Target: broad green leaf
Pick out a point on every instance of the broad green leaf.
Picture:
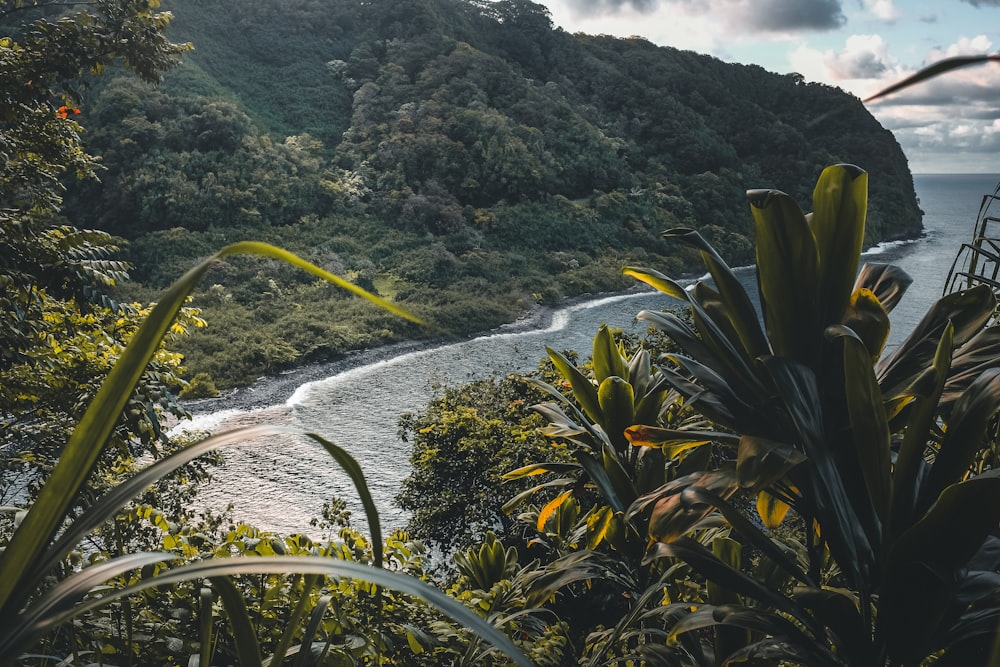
(599, 476)
(598, 525)
(771, 509)
(709, 566)
(941, 541)
(640, 373)
(676, 512)
(840, 203)
(353, 470)
(848, 539)
(735, 301)
(787, 275)
(968, 311)
(964, 437)
(760, 462)
(968, 362)
(583, 389)
(887, 282)
(869, 426)
(617, 401)
(913, 602)
(315, 618)
(866, 317)
(550, 507)
(607, 359)
(654, 436)
(582, 565)
(294, 622)
(654, 278)
(205, 622)
(835, 609)
(519, 499)
(779, 554)
(910, 458)
(539, 469)
(728, 638)
(620, 480)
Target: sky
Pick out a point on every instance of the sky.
(950, 124)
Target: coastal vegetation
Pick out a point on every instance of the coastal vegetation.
(731, 488)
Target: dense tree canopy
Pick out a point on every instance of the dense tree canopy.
(465, 158)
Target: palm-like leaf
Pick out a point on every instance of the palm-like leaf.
(821, 391)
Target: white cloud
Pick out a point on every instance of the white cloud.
(883, 10)
(862, 66)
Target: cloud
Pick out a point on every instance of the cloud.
(605, 7)
(864, 58)
(763, 16)
(795, 15)
(883, 10)
(983, 3)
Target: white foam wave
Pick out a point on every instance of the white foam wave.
(204, 422)
(886, 246)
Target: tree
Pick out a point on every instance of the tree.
(60, 329)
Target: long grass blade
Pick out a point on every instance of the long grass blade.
(353, 470)
(301, 605)
(205, 617)
(244, 636)
(936, 69)
(30, 625)
(302, 659)
(85, 444)
(292, 564)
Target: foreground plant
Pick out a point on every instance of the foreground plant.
(35, 599)
(886, 460)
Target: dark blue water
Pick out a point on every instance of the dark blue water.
(281, 483)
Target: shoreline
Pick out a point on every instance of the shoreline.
(270, 390)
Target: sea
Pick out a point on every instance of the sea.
(280, 482)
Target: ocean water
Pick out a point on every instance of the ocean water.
(280, 483)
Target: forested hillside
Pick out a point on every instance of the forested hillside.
(463, 158)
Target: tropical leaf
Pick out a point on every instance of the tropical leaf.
(968, 311)
(771, 509)
(869, 321)
(738, 308)
(761, 462)
(787, 275)
(607, 359)
(910, 460)
(550, 508)
(869, 425)
(965, 436)
(887, 282)
(840, 204)
(583, 389)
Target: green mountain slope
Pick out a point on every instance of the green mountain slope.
(462, 157)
